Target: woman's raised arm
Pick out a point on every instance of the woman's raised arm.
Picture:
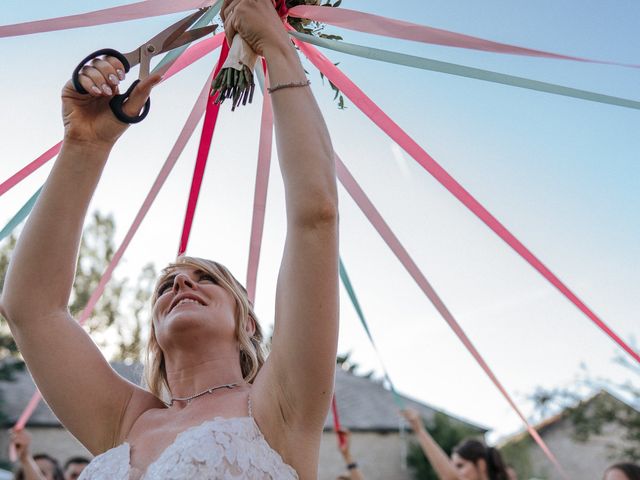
(302, 360)
(74, 378)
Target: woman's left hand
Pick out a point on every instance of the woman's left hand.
(257, 22)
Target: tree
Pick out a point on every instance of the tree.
(108, 325)
(132, 329)
(589, 417)
(447, 433)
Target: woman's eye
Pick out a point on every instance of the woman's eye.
(207, 277)
(164, 287)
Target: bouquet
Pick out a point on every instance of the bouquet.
(235, 79)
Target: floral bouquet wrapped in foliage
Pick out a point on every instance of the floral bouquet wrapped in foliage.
(235, 79)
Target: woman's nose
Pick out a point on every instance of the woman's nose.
(182, 281)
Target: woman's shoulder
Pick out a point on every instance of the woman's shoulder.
(142, 406)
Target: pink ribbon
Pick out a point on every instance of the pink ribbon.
(29, 169)
(389, 27)
(176, 151)
(134, 11)
(401, 253)
(260, 194)
(210, 120)
(192, 54)
(370, 109)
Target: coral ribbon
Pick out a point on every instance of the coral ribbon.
(380, 118)
(401, 253)
(389, 27)
(134, 11)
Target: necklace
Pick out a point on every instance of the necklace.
(204, 392)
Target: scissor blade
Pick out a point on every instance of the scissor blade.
(189, 37)
(170, 34)
(164, 68)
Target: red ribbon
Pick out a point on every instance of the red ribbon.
(281, 8)
(336, 422)
(210, 120)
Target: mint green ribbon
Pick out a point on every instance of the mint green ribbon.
(356, 305)
(462, 71)
(19, 217)
(205, 20)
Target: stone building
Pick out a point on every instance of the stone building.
(366, 408)
(584, 460)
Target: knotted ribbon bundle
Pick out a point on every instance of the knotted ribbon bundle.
(235, 80)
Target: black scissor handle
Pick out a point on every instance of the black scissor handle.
(105, 51)
(117, 101)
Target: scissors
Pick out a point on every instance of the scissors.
(172, 37)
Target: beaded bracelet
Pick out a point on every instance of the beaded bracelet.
(288, 85)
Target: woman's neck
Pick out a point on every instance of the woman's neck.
(189, 375)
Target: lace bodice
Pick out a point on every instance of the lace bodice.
(221, 448)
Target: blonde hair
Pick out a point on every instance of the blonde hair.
(252, 354)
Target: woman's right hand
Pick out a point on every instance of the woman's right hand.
(413, 417)
(88, 118)
(21, 441)
(345, 444)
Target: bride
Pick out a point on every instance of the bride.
(215, 408)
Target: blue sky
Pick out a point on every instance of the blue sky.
(562, 174)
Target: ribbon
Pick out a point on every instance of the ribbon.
(134, 11)
(176, 151)
(336, 422)
(462, 71)
(281, 8)
(210, 120)
(401, 253)
(23, 173)
(20, 216)
(389, 27)
(203, 21)
(356, 305)
(262, 184)
(375, 113)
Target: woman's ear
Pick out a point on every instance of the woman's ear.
(250, 326)
(481, 464)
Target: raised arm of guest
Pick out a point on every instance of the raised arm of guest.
(436, 456)
(345, 449)
(21, 441)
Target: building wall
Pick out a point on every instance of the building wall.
(379, 456)
(586, 461)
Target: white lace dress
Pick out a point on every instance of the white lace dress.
(218, 449)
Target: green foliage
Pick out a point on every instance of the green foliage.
(131, 330)
(108, 325)
(516, 454)
(447, 433)
(10, 361)
(310, 27)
